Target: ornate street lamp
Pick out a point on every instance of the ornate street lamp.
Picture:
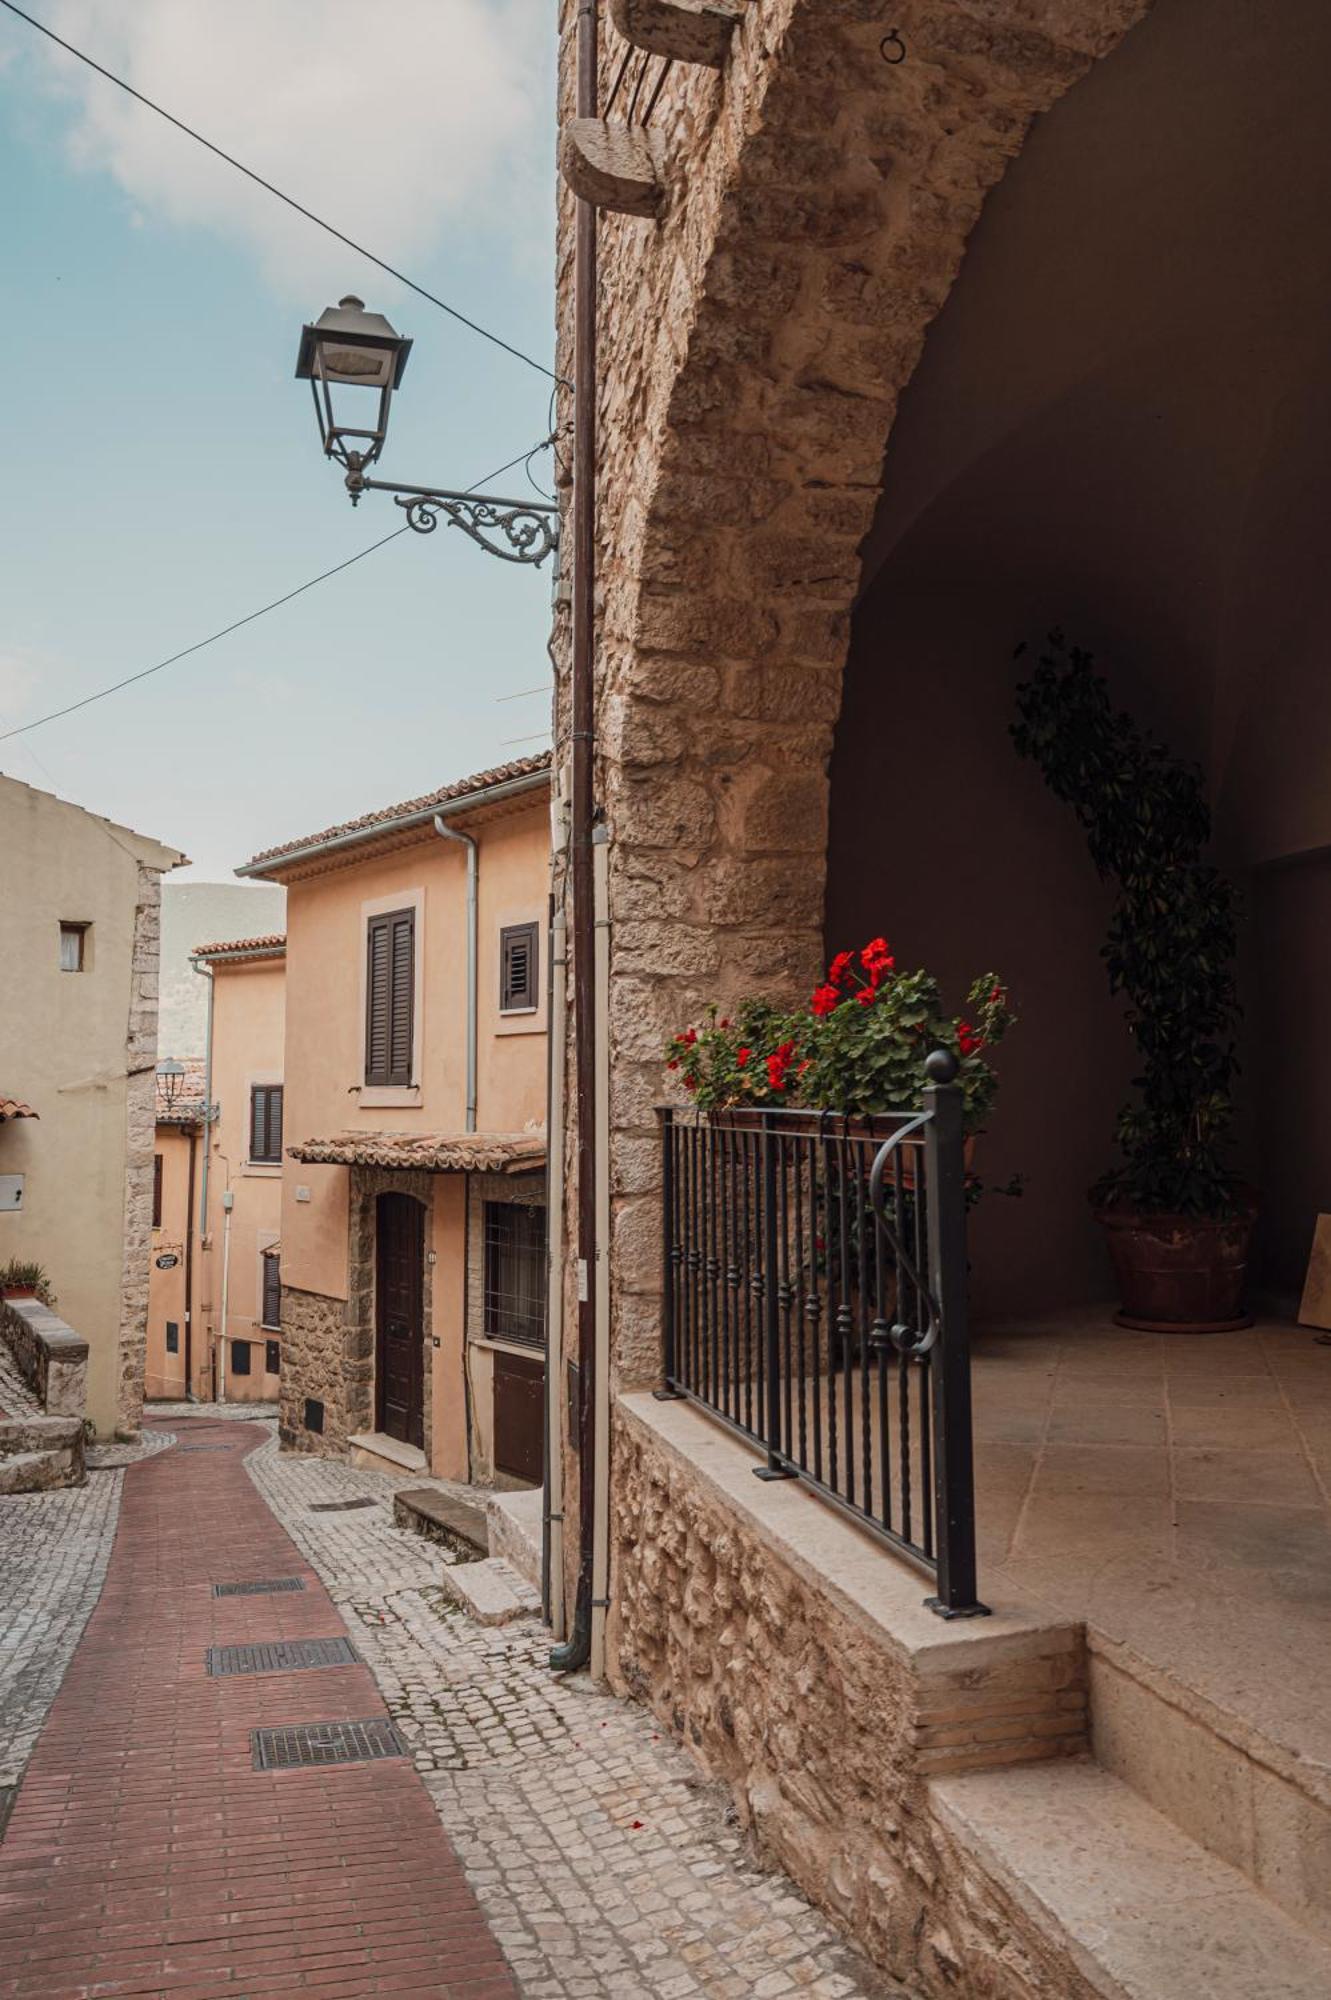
(353, 361)
(170, 1077)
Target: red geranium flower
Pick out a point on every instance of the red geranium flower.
(969, 1040)
(840, 966)
(866, 995)
(742, 1057)
(825, 1000)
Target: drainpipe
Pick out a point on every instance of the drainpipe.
(228, 1203)
(601, 1452)
(576, 1651)
(467, 840)
(189, 1266)
(552, 1553)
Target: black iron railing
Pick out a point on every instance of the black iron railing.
(815, 1301)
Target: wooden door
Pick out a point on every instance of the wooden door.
(519, 1416)
(400, 1318)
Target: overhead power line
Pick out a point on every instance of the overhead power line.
(199, 644)
(144, 673)
(290, 200)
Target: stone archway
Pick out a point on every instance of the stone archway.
(753, 343)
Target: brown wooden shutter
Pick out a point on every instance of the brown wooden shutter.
(266, 1122)
(157, 1190)
(517, 968)
(390, 981)
(272, 1289)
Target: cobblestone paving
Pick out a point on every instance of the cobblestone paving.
(53, 1554)
(608, 1869)
(16, 1398)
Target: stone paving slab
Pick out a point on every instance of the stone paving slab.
(607, 1867)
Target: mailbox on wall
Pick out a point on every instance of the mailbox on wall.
(11, 1193)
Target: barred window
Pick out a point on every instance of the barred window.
(515, 1272)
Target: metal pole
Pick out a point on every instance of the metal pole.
(950, 1362)
(667, 1393)
(577, 1650)
(774, 1469)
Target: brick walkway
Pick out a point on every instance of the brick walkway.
(146, 1856)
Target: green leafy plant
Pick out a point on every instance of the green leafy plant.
(858, 1045)
(1172, 937)
(20, 1276)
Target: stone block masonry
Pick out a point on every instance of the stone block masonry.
(50, 1357)
(315, 1335)
(140, 1140)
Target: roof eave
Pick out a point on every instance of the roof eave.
(294, 857)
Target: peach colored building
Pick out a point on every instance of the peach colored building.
(414, 1264)
(169, 1373)
(239, 1203)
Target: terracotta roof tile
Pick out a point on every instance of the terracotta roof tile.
(434, 1152)
(461, 788)
(235, 947)
(13, 1107)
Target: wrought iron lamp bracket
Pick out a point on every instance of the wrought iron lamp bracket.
(529, 528)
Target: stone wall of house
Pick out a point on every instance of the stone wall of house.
(753, 341)
(140, 1136)
(827, 1734)
(315, 1336)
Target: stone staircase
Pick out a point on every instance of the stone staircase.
(38, 1450)
(494, 1540)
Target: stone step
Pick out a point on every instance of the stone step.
(1246, 1798)
(491, 1592)
(515, 1521)
(443, 1517)
(1120, 1899)
(375, 1451)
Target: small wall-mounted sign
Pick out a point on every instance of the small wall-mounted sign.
(11, 1192)
(167, 1261)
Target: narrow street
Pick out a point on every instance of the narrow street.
(537, 1837)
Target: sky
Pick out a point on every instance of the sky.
(163, 474)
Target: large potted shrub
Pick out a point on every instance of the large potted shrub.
(1178, 1219)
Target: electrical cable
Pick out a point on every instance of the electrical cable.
(290, 200)
(198, 646)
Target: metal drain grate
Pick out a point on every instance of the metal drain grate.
(311, 1743)
(8, 1795)
(281, 1656)
(264, 1586)
(205, 1447)
(342, 1506)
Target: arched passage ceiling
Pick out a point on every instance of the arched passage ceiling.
(1127, 396)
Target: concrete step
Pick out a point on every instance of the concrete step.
(491, 1592)
(378, 1452)
(515, 1521)
(1125, 1902)
(443, 1517)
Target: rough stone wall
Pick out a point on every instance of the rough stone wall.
(314, 1341)
(140, 1137)
(753, 341)
(50, 1356)
(826, 1737)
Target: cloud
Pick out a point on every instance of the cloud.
(395, 120)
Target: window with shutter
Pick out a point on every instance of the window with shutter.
(272, 1289)
(390, 982)
(515, 1272)
(518, 969)
(266, 1124)
(157, 1190)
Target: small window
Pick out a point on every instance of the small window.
(240, 1357)
(157, 1190)
(272, 1357)
(518, 953)
(272, 1289)
(73, 947)
(314, 1416)
(266, 1125)
(390, 997)
(173, 1336)
(515, 1273)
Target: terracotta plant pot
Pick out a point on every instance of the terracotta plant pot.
(1180, 1273)
(17, 1292)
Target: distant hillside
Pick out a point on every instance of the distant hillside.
(195, 913)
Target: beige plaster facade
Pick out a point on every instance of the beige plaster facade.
(172, 1286)
(337, 884)
(80, 1046)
